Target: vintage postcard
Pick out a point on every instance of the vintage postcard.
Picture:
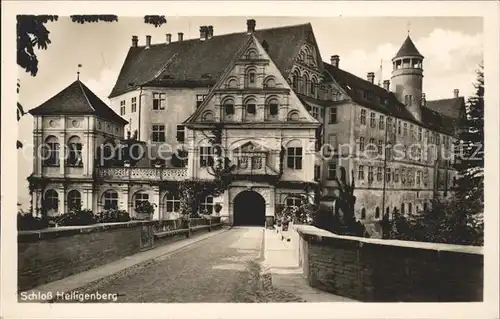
(221, 159)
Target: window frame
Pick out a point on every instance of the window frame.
(294, 157)
(158, 134)
(157, 101)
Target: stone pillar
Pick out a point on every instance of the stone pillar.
(123, 199)
(62, 200)
(270, 205)
(156, 201)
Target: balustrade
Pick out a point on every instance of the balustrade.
(138, 173)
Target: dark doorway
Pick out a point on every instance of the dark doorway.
(249, 209)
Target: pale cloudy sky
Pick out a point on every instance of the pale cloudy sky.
(452, 47)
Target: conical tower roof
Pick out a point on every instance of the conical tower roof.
(408, 49)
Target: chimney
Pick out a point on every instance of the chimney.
(334, 60)
(423, 100)
(180, 36)
(387, 85)
(370, 76)
(135, 40)
(250, 26)
(203, 33)
(455, 92)
(148, 41)
(168, 38)
(210, 32)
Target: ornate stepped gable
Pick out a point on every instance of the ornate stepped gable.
(251, 56)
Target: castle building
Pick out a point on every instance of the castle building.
(287, 119)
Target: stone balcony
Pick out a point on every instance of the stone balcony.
(142, 173)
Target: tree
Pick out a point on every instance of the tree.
(470, 145)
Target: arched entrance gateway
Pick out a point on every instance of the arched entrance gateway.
(249, 209)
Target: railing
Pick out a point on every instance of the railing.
(135, 173)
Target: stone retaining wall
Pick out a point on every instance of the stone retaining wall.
(389, 270)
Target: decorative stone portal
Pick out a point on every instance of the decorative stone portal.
(249, 209)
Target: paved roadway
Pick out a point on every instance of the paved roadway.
(222, 268)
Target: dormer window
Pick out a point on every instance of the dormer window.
(228, 107)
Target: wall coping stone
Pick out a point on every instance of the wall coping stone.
(311, 233)
(63, 231)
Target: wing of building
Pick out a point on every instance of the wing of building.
(287, 120)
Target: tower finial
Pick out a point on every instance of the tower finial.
(78, 72)
(408, 25)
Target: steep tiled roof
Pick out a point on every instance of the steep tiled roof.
(200, 63)
(77, 99)
(439, 115)
(408, 49)
(449, 107)
(381, 100)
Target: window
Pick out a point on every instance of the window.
(381, 122)
(332, 171)
(294, 157)
(367, 95)
(426, 135)
(372, 119)
(207, 206)
(243, 162)
(256, 162)
(273, 107)
(122, 107)
(74, 199)
(377, 212)
(380, 146)
(180, 133)
(399, 127)
(75, 152)
(387, 174)
(408, 100)
(362, 118)
(363, 213)
(379, 173)
(251, 108)
(315, 112)
(158, 133)
(314, 84)
(361, 172)
(361, 144)
(229, 107)
(199, 99)
(405, 129)
(133, 102)
(409, 208)
(370, 173)
(293, 202)
(172, 203)
(110, 200)
(250, 77)
(412, 131)
(403, 175)
(419, 134)
(141, 198)
(159, 101)
(51, 154)
(418, 177)
(396, 175)
(51, 199)
(206, 157)
(402, 208)
(333, 115)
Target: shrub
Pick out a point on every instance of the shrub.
(29, 222)
(145, 208)
(113, 216)
(76, 217)
(217, 208)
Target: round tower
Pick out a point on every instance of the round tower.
(407, 75)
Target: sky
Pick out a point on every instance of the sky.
(452, 47)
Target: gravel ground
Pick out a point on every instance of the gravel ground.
(223, 268)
